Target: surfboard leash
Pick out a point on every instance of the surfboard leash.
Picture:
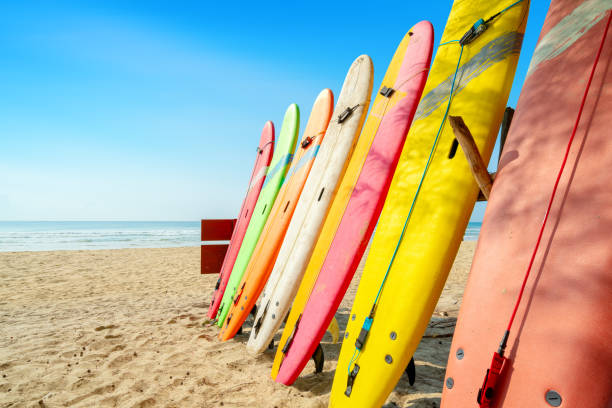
(474, 32)
(486, 394)
(367, 324)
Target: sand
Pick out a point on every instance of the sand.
(127, 328)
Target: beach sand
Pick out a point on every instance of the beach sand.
(127, 328)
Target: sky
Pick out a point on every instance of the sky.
(152, 110)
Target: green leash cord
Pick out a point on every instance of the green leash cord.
(368, 321)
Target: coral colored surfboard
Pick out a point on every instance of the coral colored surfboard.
(264, 155)
(319, 191)
(274, 179)
(357, 205)
(559, 346)
(418, 251)
(264, 255)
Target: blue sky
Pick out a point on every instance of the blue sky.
(152, 110)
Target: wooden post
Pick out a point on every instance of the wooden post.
(481, 196)
(477, 164)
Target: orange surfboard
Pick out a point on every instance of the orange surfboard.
(264, 255)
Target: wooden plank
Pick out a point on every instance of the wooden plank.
(212, 258)
(217, 230)
(481, 197)
(212, 255)
(477, 164)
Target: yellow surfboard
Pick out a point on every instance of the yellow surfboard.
(420, 256)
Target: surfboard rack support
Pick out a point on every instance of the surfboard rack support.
(319, 359)
(212, 253)
(411, 371)
(477, 164)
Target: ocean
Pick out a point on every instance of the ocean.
(70, 235)
(61, 235)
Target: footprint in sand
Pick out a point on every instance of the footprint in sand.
(149, 402)
(205, 337)
(118, 347)
(78, 383)
(110, 326)
(139, 386)
(120, 360)
(98, 391)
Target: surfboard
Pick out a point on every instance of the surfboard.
(558, 348)
(264, 254)
(319, 191)
(418, 234)
(262, 161)
(274, 179)
(357, 205)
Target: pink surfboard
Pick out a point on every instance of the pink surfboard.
(367, 198)
(264, 155)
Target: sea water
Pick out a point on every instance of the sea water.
(69, 235)
(472, 231)
(62, 235)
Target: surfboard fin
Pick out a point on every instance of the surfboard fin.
(239, 295)
(258, 322)
(411, 371)
(453, 149)
(334, 330)
(319, 359)
(290, 339)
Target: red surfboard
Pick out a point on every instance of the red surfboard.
(558, 350)
(392, 114)
(264, 155)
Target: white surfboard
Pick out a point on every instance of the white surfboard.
(317, 195)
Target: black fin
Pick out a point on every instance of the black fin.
(411, 371)
(319, 359)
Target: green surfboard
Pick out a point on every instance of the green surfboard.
(283, 154)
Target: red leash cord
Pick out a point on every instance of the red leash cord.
(487, 392)
(569, 145)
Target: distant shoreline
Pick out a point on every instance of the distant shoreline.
(37, 236)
